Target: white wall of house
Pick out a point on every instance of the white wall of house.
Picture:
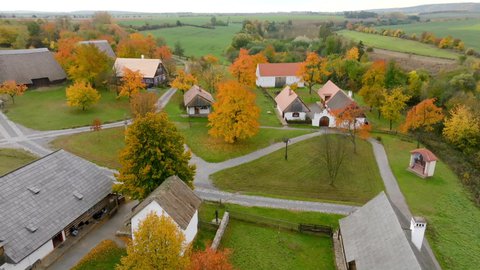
(190, 232)
(294, 79)
(38, 254)
(430, 168)
(265, 81)
(191, 110)
(318, 116)
(290, 116)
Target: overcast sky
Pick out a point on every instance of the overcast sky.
(208, 6)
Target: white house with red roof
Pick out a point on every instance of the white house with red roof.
(278, 74)
(290, 105)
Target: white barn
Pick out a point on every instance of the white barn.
(278, 75)
(290, 105)
(198, 102)
(174, 199)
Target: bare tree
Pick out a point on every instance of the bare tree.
(334, 152)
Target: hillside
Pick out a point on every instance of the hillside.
(434, 8)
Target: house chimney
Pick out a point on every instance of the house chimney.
(290, 92)
(350, 94)
(143, 56)
(418, 226)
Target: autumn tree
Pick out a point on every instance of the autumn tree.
(312, 70)
(163, 53)
(90, 65)
(12, 89)
(82, 94)
(348, 120)
(157, 244)
(137, 45)
(184, 81)
(373, 89)
(333, 155)
(462, 128)
(96, 125)
(352, 54)
(132, 83)
(244, 67)
(143, 103)
(154, 150)
(235, 115)
(394, 103)
(422, 117)
(415, 84)
(210, 259)
(211, 71)
(66, 45)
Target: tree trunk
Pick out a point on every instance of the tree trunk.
(390, 125)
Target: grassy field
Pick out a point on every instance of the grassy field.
(466, 30)
(101, 147)
(105, 256)
(46, 109)
(304, 176)
(378, 123)
(398, 44)
(453, 219)
(11, 159)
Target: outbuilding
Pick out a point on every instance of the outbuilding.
(278, 75)
(197, 101)
(422, 162)
(290, 106)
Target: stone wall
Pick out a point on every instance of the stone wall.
(221, 230)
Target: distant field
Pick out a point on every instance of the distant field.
(466, 30)
(199, 41)
(398, 45)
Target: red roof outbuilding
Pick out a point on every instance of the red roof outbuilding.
(427, 154)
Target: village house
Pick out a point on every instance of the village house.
(152, 70)
(378, 236)
(197, 101)
(278, 75)
(32, 67)
(422, 162)
(174, 199)
(102, 45)
(290, 105)
(46, 202)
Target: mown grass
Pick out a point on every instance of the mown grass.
(46, 109)
(304, 176)
(378, 122)
(105, 256)
(11, 159)
(398, 44)
(452, 217)
(466, 30)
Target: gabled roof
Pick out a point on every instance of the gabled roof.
(427, 154)
(196, 96)
(102, 45)
(328, 89)
(287, 98)
(278, 69)
(24, 65)
(40, 199)
(176, 198)
(339, 101)
(377, 236)
(147, 67)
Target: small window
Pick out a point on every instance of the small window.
(203, 108)
(296, 114)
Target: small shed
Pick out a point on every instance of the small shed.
(422, 162)
(290, 105)
(198, 101)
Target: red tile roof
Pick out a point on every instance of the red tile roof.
(427, 154)
(278, 69)
(285, 98)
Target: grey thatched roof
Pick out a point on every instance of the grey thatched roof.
(40, 197)
(102, 45)
(377, 236)
(24, 65)
(197, 97)
(176, 198)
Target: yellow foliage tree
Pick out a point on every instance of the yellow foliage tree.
(12, 89)
(157, 244)
(235, 114)
(373, 85)
(82, 94)
(184, 81)
(313, 70)
(393, 105)
(352, 54)
(132, 83)
(462, 128)
(90, 64)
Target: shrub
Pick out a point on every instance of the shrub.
(370, 49)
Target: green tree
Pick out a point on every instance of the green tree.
(178, 49)
(393, 105)
(154, 150)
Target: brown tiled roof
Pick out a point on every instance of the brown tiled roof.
(287, 97)
(176, 198)
(147, 67)
(427, 154)
(328, 89)
(278, 69)
(190, 98)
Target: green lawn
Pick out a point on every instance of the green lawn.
(267, 109)
(453, 219)
(303, 93)
(46, 109)
(11, 159)
(398, 44)
(378, 123)
(466, 30)
(304, 176)
(101, 147)
(105, 256)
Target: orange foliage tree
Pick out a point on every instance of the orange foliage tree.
(163, 53)
(210, 259)
(244, 67)
(235, 114)
(132, 83)
(137, 45)
(312, 70)
(184, 81)
(66, 45)
(422, 117)
(347, 120)
(12, 89)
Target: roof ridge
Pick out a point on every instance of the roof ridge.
(31, 162)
